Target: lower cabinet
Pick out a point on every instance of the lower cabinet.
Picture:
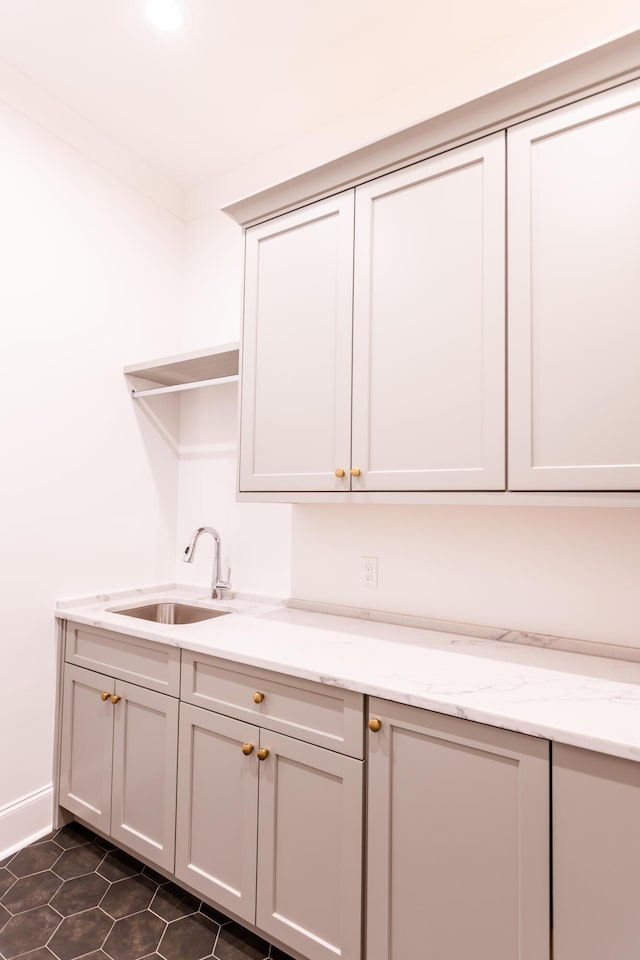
(253, 796)
(596, 855)
(118, 761)
(458, 839)
(271, 828)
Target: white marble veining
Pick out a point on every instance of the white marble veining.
(587, 701)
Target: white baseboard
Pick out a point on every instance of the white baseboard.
(25, 820)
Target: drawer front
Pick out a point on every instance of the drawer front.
(155, 666)
(323, 715)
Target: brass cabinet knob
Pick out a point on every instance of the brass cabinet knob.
(116, 698)
(247, 749)
(258, 697)
(339, 473)
(375, 725)
(263, 753)
(355, 471)
(105, 695)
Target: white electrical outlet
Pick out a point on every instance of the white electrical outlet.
(369, 571)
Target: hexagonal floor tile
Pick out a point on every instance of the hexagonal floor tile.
(191, 938)
(7, 880)
(73, 835)
(78, 861)
(135, 936)
(79, 894)
(153, 875)
(172, 902)
(80, 934)
(29, 892)
(26, 931)
(34, 859)
(234, 942)
(213, 914)
(4, 916)
(118, 865)
(128, 896)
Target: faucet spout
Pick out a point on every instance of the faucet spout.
(217, 583)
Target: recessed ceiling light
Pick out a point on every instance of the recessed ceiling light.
(166, 15)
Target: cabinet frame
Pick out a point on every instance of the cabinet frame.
(108, 808)
(255, 795)
(532, 757)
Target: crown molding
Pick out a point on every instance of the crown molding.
(544, 89)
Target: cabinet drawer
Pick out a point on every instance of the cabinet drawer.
(143, 662)
(327, 716)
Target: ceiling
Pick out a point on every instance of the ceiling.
(240, 79)
(244, 78)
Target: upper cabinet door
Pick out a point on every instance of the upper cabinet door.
(429, 325)
(574, 290)
(296, 365)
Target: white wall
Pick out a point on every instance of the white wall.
(256, 537)
(91, 279)
(567, 572)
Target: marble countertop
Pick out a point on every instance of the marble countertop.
(587, 701)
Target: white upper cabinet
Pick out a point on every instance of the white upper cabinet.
(429, 324)
(574, 291)
(375, 358)
(296, 365)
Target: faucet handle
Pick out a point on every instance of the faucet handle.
(224, 584)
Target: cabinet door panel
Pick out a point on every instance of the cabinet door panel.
(86, 744)
(596, 855)
(296, 362)
(310, 848)
(574, 288)
(217, 809)
(458, 839)
(145, 746)
(429, 324)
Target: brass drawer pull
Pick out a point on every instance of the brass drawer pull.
(339, 473)
(263, 753)
(375, 725)
(355, 471)
(116, 698)
(105, 695)
(258, 697)
(247, 749)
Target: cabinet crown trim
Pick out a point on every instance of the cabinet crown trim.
(606, 65)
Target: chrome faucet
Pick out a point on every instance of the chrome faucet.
(216, 583)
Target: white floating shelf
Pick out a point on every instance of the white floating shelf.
(185, 371)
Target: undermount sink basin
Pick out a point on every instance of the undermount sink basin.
(170, 611)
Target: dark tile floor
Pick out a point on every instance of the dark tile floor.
(73, 894)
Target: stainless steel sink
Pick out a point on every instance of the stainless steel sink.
(169, 611)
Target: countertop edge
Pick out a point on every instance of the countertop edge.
(558, 696)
